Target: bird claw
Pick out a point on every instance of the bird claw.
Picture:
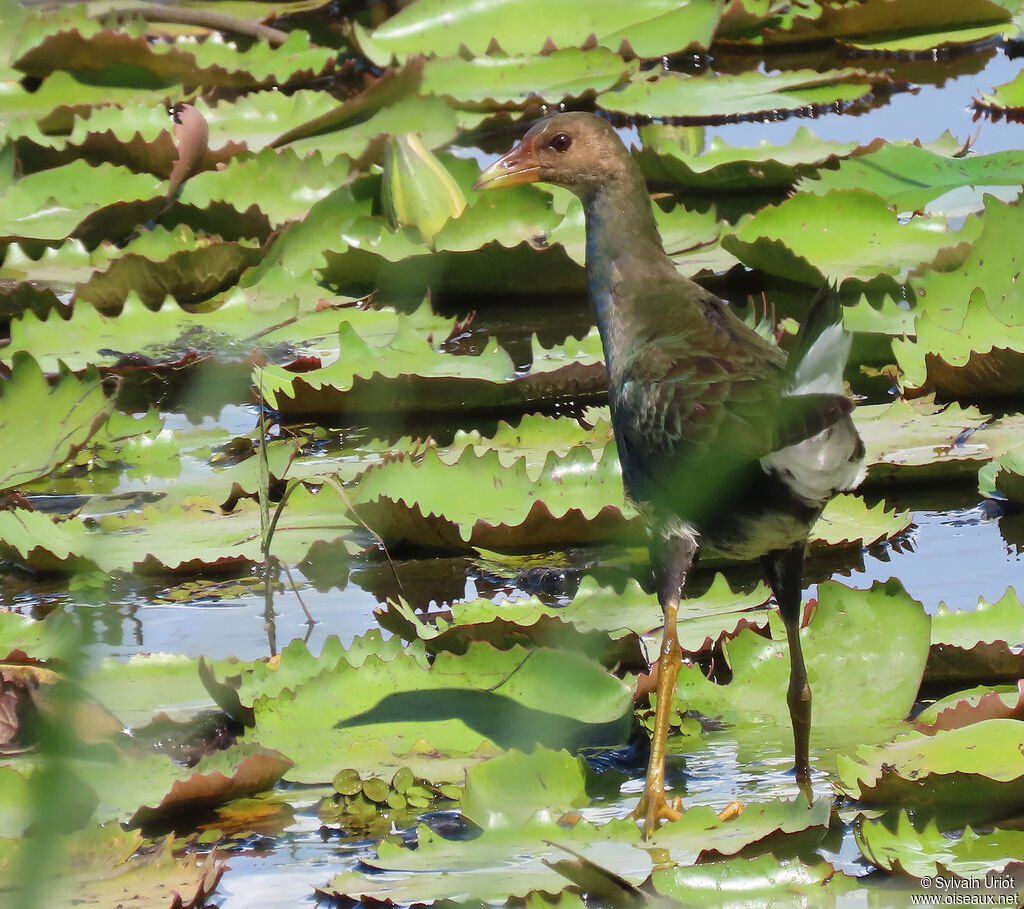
(654, 808)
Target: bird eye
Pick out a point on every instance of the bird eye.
(561, 142)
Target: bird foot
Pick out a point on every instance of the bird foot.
(654, 808)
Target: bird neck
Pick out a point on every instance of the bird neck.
(624, 251)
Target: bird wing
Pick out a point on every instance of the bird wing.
(705, 396)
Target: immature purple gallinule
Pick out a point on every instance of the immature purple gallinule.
(725, 444)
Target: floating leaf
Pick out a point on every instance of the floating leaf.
(497, 79)
(432, 27)
(848, 692)
(926, 853)
(441, 719)
(840, 235)
(45, 425)
(720, 97)
(963, 776)
(908, 176)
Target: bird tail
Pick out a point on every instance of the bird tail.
(821, 349)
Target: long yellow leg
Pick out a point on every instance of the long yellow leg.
(654, 806)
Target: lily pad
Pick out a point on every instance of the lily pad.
(836, 236)
(441, 719)
(964, 776)
(928, 852)
(432, 27)
(844, 676)
(722, 97)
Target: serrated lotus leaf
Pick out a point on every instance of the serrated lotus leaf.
(1003, 99)
(278, 183)
(719, 97)
(53, 204)
(1003, 478)
(530, 440)
(723, 167)
(837, 236)
(967, 707)
(983, 351)
(361, 141)
(847, 520)
(920, 440)
(511, 789)
(850, 697)
(236, 685)
(499, 81)
(967, 326)
(909, 177)
(999, 622)
(894, 17)
(441, 719)
(46, 425)
(929, 852)
(501, 863)
(408, 355)
(963, 776)
(432, 27)
(735, 883)
(87, 48)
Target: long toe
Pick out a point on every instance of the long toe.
(654, 808)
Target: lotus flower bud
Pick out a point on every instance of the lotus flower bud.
(417, 190)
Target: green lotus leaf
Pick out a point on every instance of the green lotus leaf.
(46, 425)
(243, 683)
(480, 868)
(52, 106)
(1004, 477)
(53, 204)
(848, 520)
(943, 42)
(999, 622)
(56, 639)
(908, 176)
(134, 691)
(432, 27)
(501, 80)
(441, 719)
(722, 167)
(966, 707)
(602, 622)
(929, 852)
(544, 781)
(983, 350)
(713, 96)
(963, 776)
(501, 863)
(362, 141)
(736, 883)
(85, 47)
(196, 270)
(894, 18)
(1008, 97)
(255, 120)
(165, 789)
(280, 184)
(845, 660)
(840, 235)
(918, 440)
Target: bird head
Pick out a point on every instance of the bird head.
(577, 150)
